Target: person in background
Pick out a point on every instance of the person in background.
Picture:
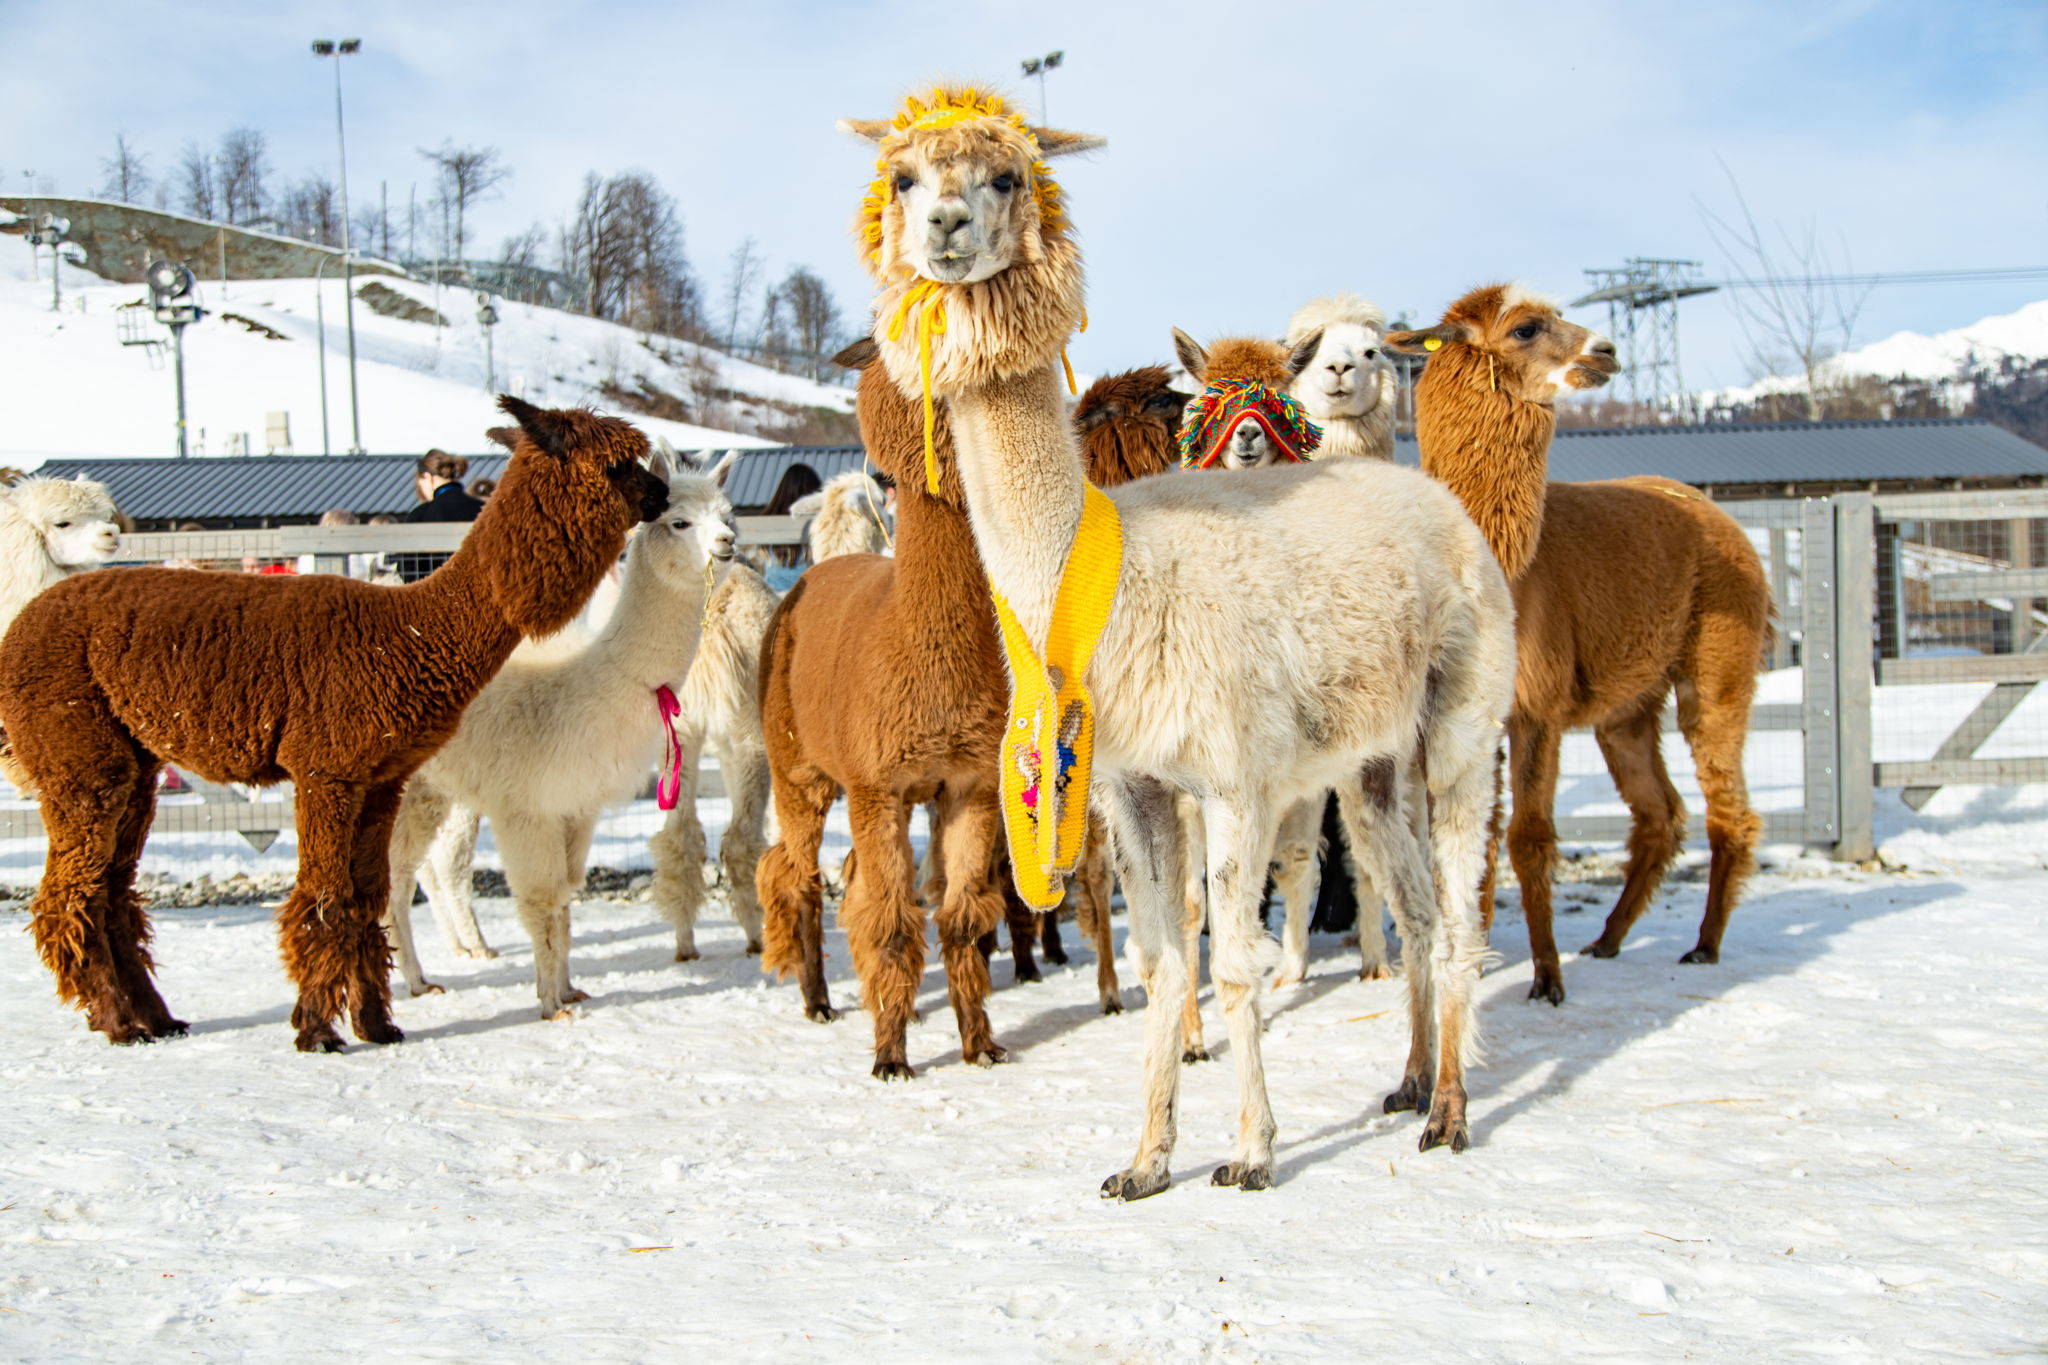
(442, 498)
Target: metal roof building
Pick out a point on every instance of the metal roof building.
(1735, 461)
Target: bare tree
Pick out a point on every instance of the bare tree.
(311, 211)
(813, 319)
(626, 243)
(195, 183)
(743, 271)
(772, 346)
(244, 166)
(1791, 309)
(126, 171)
(467, 175)
(523, 250)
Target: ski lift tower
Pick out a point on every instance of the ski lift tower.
(1642, 321)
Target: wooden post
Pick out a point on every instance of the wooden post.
(1855, 582)
(1781, 594)
(2020, 530)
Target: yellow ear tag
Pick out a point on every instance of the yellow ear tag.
(1432, 343)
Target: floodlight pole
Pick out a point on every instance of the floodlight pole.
(1039, 67)
(178, 360)
(347, 47)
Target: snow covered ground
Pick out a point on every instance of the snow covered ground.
(420, 385)
(1827, 1147)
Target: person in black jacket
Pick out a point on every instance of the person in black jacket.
(441, 498)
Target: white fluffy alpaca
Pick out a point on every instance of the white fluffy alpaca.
(558, 735)
(1348, 388)
(49, 530)
(846, 516)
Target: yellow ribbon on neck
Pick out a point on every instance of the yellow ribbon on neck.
(931, 319)
(1048, 744)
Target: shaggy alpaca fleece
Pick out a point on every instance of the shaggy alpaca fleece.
(343, 687)
(1128, 423)
(846, 517)
(49, 530)
(1355, 408)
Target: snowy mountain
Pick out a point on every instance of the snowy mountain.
(75, 389)
(1913, 355)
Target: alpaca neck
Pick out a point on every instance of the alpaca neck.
(652, 634)
(1489, 447)
(1364, 436)
(1022, 473)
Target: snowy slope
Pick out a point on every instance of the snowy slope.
(74, 390)
(2022, 334)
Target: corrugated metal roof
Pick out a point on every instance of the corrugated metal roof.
(1792, 452)
(301, 487)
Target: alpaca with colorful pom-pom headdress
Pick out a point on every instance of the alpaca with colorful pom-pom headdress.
(1254, 639)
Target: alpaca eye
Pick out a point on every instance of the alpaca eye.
(1003, 184)
(63, 525)
(1527, 331)
(1372, 353)
(905, 184)
(679, 525)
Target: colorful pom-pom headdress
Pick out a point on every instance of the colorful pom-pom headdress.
(1227, 404)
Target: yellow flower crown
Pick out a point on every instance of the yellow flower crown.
(943, 107)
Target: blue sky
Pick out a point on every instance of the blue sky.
(1257, 158)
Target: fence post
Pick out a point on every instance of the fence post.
(1855, 594)
(1817, 673)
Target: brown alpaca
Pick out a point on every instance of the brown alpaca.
(342, 687)
(879, 677)
(1624, 590)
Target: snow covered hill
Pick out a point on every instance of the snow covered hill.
(75, 390)
(1913, 355)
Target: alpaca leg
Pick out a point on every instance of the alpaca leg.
(1049, 938)
(884, 922)
(533, 850)
(577, 832)
(1188, 838)
(1022, 923)
(1240, 847)
(678, 850)
(1369, 929)
(1142, 824)
(1715, 717)
(449, 869)
(1532, 844)
(1635, 760)
(420, 810)
(128, 927)
(1495, 829)
(1383, 840)
(1458, 803)
(370, 870)
(744, 765)
(1297, 869)
(793, 895)
(973, 904)
(317, 923)
(1093, 889)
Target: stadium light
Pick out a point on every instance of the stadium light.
(347, 47)
(170, 291)
(1039, 66)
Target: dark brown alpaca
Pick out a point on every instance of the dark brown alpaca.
(1624, 590)
(342, 687)
(878, 676)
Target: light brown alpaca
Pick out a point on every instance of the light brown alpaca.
(1255, 639)
(345, 688)
(921, 724)
(1624, 590)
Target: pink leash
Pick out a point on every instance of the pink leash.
(668, 787)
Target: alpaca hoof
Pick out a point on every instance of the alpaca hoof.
(690, 956)
(1027, 976)
(1377, 971)
(1444, 1130)
(321, 1039)
(894, 1071)
(1056, 955)
(820, 1014)
(129, 1035)
(753, 947)
(1112, 1005)
(572, 996)
(1707, 956)
(170, 1028)
(477, 952)
(1289, 976)
(1196, 1053)
(1547, 986)
(382, 1035)
(1245, 1175)
(427, 988)
(990, 1056)
(1413, 1094)
(561, 1014)
(1125, 1186)
(1599, 948)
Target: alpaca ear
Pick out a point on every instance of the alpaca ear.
(1192, 357)
(662, 459)
(1053, 142)
(1423, 340)
(543, 426)
(1298, 359)
(859, 355)
(873, 129)
(1095, 414)
(718, 472)
(507, 437)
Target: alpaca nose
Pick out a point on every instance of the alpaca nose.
(950, 215)
(1339, 368)
(1602, 346)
